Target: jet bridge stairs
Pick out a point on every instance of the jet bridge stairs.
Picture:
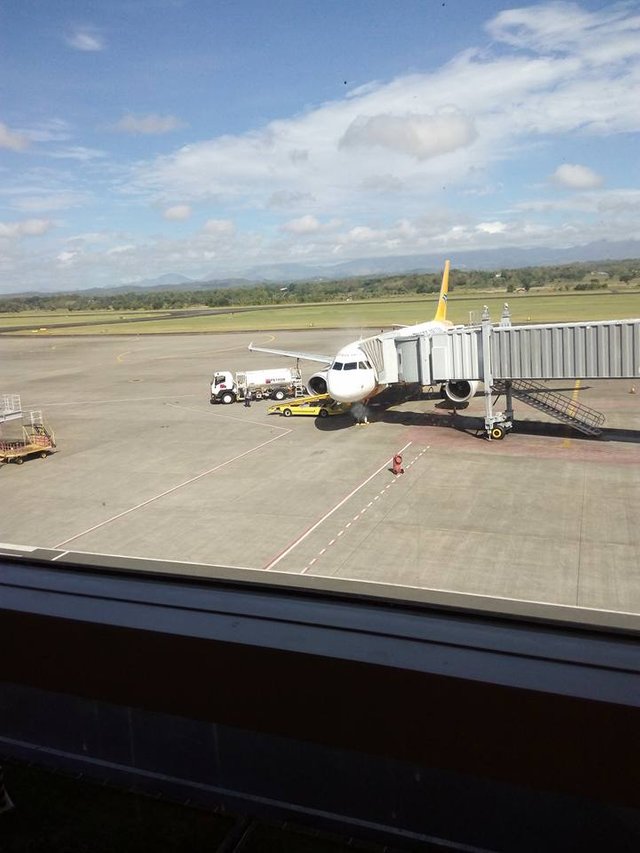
(558, 406)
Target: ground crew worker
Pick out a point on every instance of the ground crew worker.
(247, 399)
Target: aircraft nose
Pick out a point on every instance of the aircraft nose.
(350, 387)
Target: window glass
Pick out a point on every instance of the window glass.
(352, 365)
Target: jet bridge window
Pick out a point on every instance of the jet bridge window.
(351, 365)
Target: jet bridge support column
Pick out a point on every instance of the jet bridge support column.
(496, 424)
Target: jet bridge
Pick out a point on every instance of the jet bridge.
(513, 360)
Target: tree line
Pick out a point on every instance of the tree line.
(582, 276)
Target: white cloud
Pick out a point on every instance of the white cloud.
(177, 212)
(419, 136)
(288, 199)
(66, 258)
(219, 227)
(304, 225)
(54, 201)
(147, 124)
(309, 225)
(413, 135)
(379, 158)
(11, 139)
(77, 152)
(608, 35)
(382, 184)
(575, 177)
(25, 228)
(85, 39)
(602, 202)
(496, 227)
(121, 250)
(51, 130)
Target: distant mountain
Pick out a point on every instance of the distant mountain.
(168, 280)
(510, 258)
(479, 259)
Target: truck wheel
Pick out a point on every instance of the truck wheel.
(323, 413)
(18, 460)
(498, 433)
(279, 395)
(228, 397)
(287, 413)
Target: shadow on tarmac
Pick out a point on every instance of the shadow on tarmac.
(471, 425)
(335, 423)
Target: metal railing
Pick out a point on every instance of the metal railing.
(563, 408)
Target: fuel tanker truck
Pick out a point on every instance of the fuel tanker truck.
(275, 383)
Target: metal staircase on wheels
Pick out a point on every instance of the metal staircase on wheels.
(557, 405)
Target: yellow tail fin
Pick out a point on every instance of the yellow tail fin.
(441, 313)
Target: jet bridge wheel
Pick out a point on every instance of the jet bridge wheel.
(498, 432)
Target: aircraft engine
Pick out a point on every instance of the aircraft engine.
(317, 384)
(460, 391)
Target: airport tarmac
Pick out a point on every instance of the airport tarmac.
(146, 467)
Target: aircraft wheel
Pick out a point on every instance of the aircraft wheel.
(498, 433)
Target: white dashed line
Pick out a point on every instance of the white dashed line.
(359, 515)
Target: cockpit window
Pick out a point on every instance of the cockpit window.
(362, 365)
(352, 365)
(337, 365)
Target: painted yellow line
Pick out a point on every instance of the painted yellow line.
(120, 357)
(572, 409)
(269, 340)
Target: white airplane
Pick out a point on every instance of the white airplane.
(351, 377)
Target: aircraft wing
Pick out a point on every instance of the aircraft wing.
(308, 356)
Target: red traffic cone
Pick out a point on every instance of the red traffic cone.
(397, 464)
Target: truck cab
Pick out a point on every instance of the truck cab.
(223, 387)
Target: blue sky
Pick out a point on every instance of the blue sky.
(145, 137)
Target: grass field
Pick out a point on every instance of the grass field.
(38, 319)
(525, 308)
